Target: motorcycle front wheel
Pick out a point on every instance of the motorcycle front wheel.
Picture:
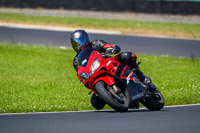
(108, 98)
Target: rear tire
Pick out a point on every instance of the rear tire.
(154, 101)
(108, 98)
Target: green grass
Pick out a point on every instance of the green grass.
(125, 26)
(40, 79)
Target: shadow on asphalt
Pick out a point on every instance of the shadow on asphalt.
(129, 111)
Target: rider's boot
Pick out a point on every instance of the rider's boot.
(97, 102)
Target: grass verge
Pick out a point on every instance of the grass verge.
(40, 79)
(180, 30)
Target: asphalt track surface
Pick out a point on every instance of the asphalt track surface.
(168, 120)
(144, 45)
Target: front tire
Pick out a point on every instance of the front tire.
(108, 98)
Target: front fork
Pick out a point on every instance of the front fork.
(112, 87)
(116, 92)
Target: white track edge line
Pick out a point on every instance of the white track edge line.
(86, 111)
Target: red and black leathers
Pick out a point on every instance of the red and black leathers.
(125, 58)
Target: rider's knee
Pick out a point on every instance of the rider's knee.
(127, 56)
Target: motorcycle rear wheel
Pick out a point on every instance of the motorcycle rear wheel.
(154, 101)
(108, 98)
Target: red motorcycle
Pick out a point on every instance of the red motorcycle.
(117, 85)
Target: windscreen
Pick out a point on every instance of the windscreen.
(84, 56)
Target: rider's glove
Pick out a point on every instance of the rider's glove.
(113, 50)
(104, 55)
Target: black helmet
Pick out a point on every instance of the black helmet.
(79, 40)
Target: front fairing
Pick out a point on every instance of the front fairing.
(86, 57)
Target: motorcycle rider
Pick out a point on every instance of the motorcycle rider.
(80, 40)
